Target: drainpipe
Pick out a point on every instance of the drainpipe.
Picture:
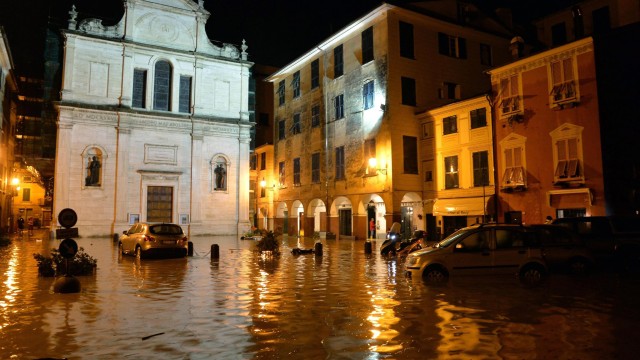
(326, 139)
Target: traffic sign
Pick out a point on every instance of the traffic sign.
(68, 248)
(67, 217)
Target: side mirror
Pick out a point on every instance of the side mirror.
(125, 232)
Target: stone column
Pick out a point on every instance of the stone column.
(121, 186)
(243, 178)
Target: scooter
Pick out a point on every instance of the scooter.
(393, 237)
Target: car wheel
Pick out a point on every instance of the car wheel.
(578, 266)
(532, 274)
(435, 275)
(138, 252)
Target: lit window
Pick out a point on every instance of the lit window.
(451, 172)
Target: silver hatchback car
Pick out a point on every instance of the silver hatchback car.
(150, 239)
(485, 249)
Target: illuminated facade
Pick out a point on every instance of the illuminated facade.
(548, 142)
(153, 123)
(8, 103)
(457, 165)
(346, 139)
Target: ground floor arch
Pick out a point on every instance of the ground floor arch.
(411, 214)
(374, 210)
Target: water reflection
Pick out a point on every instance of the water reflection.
(343, 304)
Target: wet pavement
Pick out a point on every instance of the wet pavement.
(345, 304)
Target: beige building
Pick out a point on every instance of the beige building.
(346, 141)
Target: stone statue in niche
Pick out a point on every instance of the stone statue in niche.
(93, 172)
(221, 177)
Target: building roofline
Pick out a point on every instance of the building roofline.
(541, 55)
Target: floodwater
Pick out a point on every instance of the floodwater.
(345, 304)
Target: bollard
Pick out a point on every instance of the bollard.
(318, 249)
(189, 248)
(66, 285)
(116, 237)
(367, 247)
(215, 251)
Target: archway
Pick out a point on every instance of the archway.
(298, 213)
(412, 217)
(318, 210)
(341, 213)
(282, 219)
(373, 207)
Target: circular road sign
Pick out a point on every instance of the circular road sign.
(68, 248)
(67, 217)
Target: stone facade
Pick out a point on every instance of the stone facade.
(150, 109)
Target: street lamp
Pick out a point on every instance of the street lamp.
(373, 164)
(15, 183)
(263, 183)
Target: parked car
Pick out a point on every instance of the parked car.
(563, 249)
(154, 239)
(482, 249)
(613, 241)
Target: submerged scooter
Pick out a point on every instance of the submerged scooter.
(393, 238)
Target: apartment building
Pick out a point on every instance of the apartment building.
(347, 141)
(457, 165)
(548, 137)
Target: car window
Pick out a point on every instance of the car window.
(165, 229)
(476, 241)
(508, 238)
(135, 229)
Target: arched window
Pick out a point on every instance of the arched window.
(219, 167)
(162, 86)
(93, 160)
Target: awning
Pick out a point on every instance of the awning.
(472, 206)
(581, 196)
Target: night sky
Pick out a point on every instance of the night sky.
(276, 31)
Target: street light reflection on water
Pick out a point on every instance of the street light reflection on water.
(345, 304)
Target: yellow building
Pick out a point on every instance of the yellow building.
(458, 165)
(29, 197)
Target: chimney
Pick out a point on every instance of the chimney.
(517, 47)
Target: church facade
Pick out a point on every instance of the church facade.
(153, 123)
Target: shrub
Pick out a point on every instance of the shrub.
(268, 242)
(56, 265)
